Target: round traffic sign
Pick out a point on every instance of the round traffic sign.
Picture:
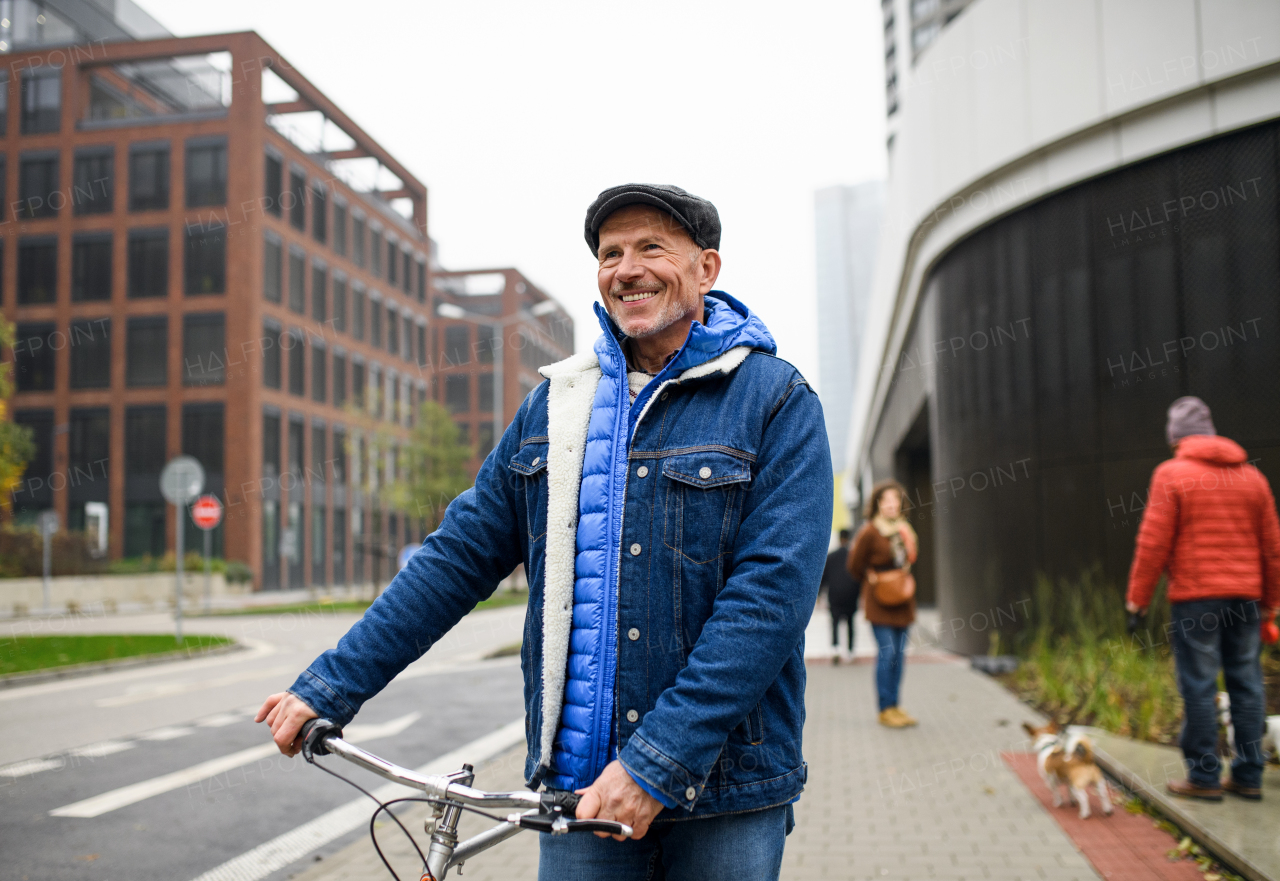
(181, 480)
(207, 512)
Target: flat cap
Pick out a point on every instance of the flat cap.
(698, 216)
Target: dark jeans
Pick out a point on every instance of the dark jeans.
(1209, 635)
(891, 643)
(837, 616)
(728, 847)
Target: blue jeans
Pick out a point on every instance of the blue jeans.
(892, 657)
(729, 847)
(1209, 635)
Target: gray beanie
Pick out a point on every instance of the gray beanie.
(1187, 416)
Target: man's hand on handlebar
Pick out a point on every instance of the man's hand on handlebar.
(286, 713)
(615, 796)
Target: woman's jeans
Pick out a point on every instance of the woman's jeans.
(730, 847)
(892, 657)
(1209, 635)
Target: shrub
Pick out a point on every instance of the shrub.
(22, 553)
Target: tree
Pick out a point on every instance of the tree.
(17, 446)
(432, 468)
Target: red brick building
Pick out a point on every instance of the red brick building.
(186, 278)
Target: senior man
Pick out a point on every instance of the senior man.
(670, 496)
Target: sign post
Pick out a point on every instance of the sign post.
(207, 513)
(48, 526)
(180, 482)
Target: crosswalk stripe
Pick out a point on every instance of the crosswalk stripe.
(295, 844)
(136, 792)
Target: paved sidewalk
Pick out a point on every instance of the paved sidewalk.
(931, 802)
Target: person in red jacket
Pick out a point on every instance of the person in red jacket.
(1211, 522)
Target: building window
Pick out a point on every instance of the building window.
(271, 500)
(297, 280)
(340, 229)
(206, 261)
(422, 282)
(90, 344)
(41, 100)
(203, 433)
(204, 352)
(34, 493)
(406, 277)
(88, 452)
(484, 439)
(148, 262)
(339, 542)
(375, 252)
(339, 380)
(297, 199)
(37, 270)
(318, 533)
(272, 268)
(147, 351)
(357, 240)
(457, 344)
(393, 260)
(464, 433)
(319, 214)
(145, 454)
(291, 342)
(406, 348)
(422, 345)
(319, 293)
(484, 392)
(34, 356)
(91, 267)
(358, 384)
(273, 184)
(206, 172)
(339, 303)
(379, 393)
(149, 177)
(319, 385)
(295, 441)
(357, 313)
(457, 392)
(38, 194)
(94, 183)
(4, 102)
(271, 342)
(375, 323)
(485, 342)
(393, 331)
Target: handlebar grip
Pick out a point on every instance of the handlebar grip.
(563, 799)
(314, 734)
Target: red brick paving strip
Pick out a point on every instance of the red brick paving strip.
(1123, 846)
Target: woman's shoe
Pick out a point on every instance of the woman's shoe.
(890, 718)
(907, 718)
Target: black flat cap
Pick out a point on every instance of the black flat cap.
(698, 216)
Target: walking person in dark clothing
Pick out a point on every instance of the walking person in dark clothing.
(842, 591)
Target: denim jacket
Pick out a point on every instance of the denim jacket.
(728, 499)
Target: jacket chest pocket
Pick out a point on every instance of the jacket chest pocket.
(529, 476)
(703, 499)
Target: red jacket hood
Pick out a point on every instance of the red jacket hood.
(1211, 448)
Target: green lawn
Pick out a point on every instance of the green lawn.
(504, 598)
(23, 654)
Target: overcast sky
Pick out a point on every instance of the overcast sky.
(517, 114)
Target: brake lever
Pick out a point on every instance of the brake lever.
(558, 824)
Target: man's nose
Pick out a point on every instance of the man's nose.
(629, 268)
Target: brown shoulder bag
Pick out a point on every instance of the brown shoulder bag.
(892, 587)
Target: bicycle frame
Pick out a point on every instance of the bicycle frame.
(544, 812)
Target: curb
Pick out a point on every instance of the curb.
(1170, 808)
(75, 671)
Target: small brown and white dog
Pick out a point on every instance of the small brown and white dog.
(1067, 760)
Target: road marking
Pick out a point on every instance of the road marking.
(221, 720)
(138, 694)
(136, 792)
(170, 733)
(30, 766)
(105, 748)
(297, 843)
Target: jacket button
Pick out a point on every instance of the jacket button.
(635, 550)
(633, 634)
(536, 460)
(632, 715)
(663, 396)
(642, 471)
(691, 793)
(704, 472)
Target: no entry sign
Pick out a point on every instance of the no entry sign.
(207, 512)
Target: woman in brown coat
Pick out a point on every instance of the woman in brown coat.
(886, 542)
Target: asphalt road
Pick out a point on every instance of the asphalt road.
(82, 748)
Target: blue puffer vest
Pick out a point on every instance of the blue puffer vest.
(587, 740)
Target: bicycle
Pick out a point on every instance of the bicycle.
(449, 795)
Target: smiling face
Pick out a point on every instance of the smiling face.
(652, 276)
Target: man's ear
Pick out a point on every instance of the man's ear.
(709, 266)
